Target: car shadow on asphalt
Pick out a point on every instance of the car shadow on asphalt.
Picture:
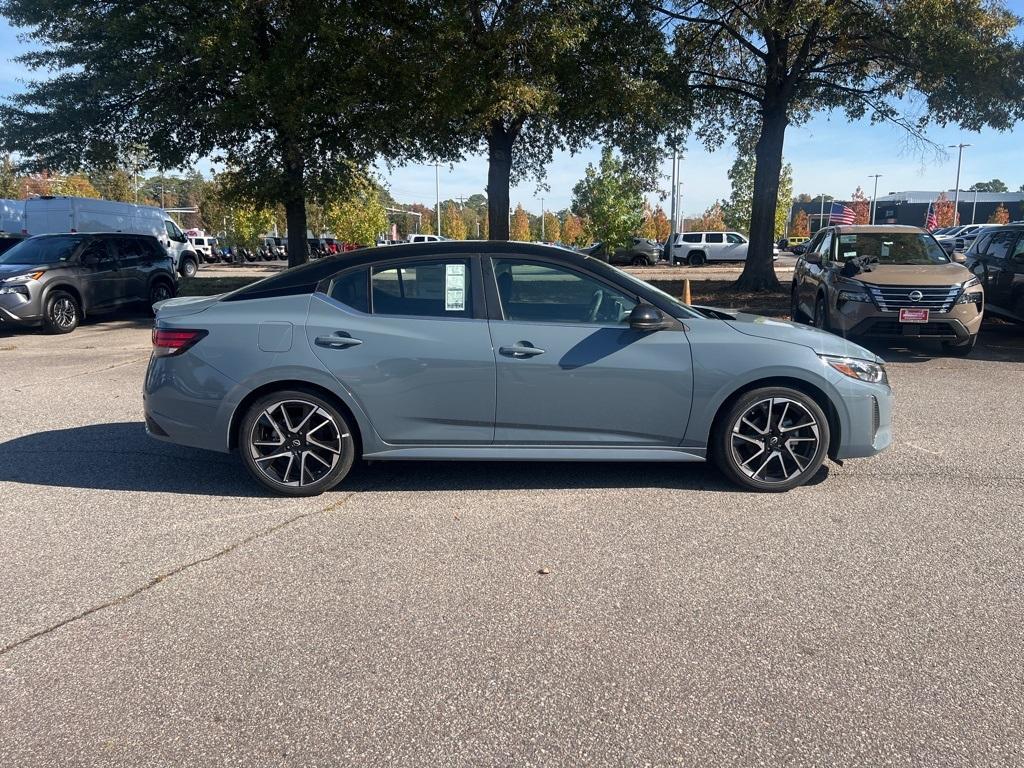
(131, 317)
(121, 457)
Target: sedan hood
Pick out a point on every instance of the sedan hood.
(938, 275)
(184, 305)
(783, 330)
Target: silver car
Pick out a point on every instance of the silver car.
(508, 351)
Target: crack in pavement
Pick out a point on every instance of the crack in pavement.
(159, 579)
(111, 367)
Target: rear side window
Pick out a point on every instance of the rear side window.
(981, 245)
(715, 237)
(352, 290)
(428, 289)
(691, 237)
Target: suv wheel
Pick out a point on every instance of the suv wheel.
(771, 439)
(189, 266)
(641, 261)
(62, 313)
(296, 443)
(161, 290)
(960, 348)
(821, 314)
(696, 259)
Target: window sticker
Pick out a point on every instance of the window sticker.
(455, 287)
(846, 239)
(886, 246)
(849, 254)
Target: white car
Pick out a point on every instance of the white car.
(204, 246)
(424, 238)
(697, 248)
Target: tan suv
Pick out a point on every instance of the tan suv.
(886, 281)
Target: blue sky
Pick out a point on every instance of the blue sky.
(829, 155)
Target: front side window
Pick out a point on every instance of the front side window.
(544, 293)
(980, 246)
(735, 239)
(825, 247)
(173, 232)
(715, 237)
(429, 289)
(999, 245)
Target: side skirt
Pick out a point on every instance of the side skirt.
(536, 453)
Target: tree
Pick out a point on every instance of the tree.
(803, 197)
(248, 222)
(989, 186)
(9, 185)
(662, 226)
(470, 220)
(784, 206)
(1000, 216)
(573, 232)
(861, 207)
(759, 67)
(610, 199)
(520, 229)
(943, 209)
(552, 227)
(535, 76)
(452, 224)
(801, 225)
(358, 216)
(275, 106)
(713, 219)
(113, 183)
(737, 209)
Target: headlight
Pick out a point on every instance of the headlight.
(974, 297)
(22, 279)
(858, 369)
(971, 283)
(9, 289)
(854, 296)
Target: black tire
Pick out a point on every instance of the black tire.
(960, 348)
(737, 454)
(820, 314)
(249, 255)
(794, 306)
(641, 261)
(62, 312)
(268, 255)
(285, 415)
(189, 266)
(696, 259)
(160, 290)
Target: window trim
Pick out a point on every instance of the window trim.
(498, 311)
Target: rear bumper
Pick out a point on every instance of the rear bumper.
(182, 400)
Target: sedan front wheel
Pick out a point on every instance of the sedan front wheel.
(772, 439)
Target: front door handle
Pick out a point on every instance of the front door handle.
(337, 342)
(521, 349)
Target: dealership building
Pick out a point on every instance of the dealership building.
(912, 207)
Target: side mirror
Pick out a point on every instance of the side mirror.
(958, 257)
(646, 318)
(811, 258)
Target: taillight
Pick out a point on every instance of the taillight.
(174, 341)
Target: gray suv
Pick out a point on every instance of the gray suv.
(56, 280)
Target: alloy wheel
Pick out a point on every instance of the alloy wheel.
(296, 443)
(64, 312)
(775, 440)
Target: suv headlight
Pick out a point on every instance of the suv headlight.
(20, 283)
(968, 296)
(858, 369)
(9, 289)
(854, 296)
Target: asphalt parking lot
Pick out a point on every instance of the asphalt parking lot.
(157, 609)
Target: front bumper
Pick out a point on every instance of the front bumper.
(850, 318)
(867, 429)
(17, 310)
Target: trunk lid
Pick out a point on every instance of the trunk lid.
(184, 306)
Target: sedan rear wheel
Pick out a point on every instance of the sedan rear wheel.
(772, 439)
(296, 443)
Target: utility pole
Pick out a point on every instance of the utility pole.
(874, 196)
(974, 208)
(956, 194)
(542, 232)
(821, 214)
(437, 195)
(675, 156)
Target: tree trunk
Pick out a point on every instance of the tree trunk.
(295, 208)
(499, 172)
(759, 269)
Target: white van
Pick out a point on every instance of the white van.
(424, 238)
(54, 215)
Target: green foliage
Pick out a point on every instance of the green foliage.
(785, 200)
(113, 183)
(611, 200)
(996, 185)
(520, 228)
(358, 215)
(248, 221)
(552, 227)
(736, 211)
(452, 224)
(10, 189)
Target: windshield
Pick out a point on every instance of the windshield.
(892, 247)
(42, 250)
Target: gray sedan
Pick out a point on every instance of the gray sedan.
(507, 351)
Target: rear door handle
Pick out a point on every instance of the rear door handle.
(337, 342)
(521, 349)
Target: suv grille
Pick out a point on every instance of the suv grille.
(894, 298)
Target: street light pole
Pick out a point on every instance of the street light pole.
(956, 194)
(874, 196)
(437, 195)
(974, 208)
(675, 156)
(542, 232)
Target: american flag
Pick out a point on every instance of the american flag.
(932, 222)
(841, 214)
